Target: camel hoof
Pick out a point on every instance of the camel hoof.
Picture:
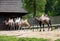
(40, 30)
(43, 30)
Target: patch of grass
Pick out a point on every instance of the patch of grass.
(12, 38)
(8, 38)
(32, 39)
(57, 40)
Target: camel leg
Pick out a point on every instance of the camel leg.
(15, 27)
(28, 25)
(37, 26)
(43, 28)
(48, 27)
(7, 27)
(10, 27)
(40, 26)
(51, 26)
(19, 27)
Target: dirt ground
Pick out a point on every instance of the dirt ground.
(52, 35)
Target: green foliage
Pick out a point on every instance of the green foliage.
(28, 5)
(57, 8)
(28, 16)
(40, 5)
(50, 7)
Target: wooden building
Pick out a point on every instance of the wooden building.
(11, 8)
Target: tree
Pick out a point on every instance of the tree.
(49, 6)
(57, 8)
(29, 6)
(52, 7)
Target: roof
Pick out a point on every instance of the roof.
(11, 6)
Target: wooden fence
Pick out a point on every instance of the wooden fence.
(33, 22)
(55, 21)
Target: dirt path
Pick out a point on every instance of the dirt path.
(52, 35)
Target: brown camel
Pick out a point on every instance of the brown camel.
(44, 19)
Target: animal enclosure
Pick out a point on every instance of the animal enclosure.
(55, 22)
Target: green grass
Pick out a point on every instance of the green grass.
(57, 40)
(12, 38)
(32, 39)
(8, 38)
